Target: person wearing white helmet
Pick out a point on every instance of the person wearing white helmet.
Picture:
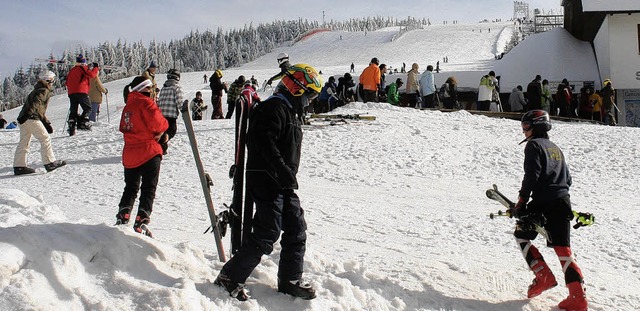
(33, 122)
(283, 63)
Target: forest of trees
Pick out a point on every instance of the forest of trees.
(197, 51)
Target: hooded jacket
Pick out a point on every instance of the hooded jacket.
(37, 102)
(141, 123)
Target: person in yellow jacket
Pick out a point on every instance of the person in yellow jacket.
(96, 89)
(596, 104)
(370, 81)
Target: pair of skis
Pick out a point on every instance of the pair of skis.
(239, 215)
(343, 116)
(582, 219)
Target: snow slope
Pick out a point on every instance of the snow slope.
(395, 207)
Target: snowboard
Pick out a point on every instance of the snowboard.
(242, 215)
(343, 116)
(205, 180)
(496, 195)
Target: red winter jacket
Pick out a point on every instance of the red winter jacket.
(141, 123)
(78, 79)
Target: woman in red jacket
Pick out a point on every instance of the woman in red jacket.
(143, 127)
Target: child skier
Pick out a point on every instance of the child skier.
(547, 181)
(198, 106)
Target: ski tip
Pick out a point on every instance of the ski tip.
(489, 193)
(495, 187)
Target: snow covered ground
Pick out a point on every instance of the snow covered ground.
(395, 207)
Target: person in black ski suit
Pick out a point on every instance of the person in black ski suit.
(546, 180)
(274, 141)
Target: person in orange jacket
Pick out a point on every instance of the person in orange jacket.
(143, 127)
(370, 81)
(78, 90)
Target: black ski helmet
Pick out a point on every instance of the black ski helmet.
(537, 120)
(173, 74)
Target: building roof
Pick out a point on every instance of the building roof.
(554, 55)
(611, 6)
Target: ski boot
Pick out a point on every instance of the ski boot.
(236, 290)
(297, 288)
(544, 279)
(22, 170)
(84, 124)
(577, 299)
(72, 127)
(54, 165)
(123, 216)
(140, 226)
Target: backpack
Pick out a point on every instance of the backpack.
(444, 91)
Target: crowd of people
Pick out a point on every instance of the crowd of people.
(148, 123)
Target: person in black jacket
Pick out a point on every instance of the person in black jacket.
(217, 86)
(534, 94)
(274, 141)
(547, 181)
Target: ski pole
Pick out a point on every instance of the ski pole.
(64, 127)
(106, 97)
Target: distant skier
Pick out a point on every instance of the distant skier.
(150, 74)
(564, 97)
(392, 95)
(198, 106)
(143, 126)
(370, 81)
(170, 102)
(534, 94)
(546, 180)
(96, 89)
(78, 91)
(609, 103)
(486, 91)
(428, 88)
(274, 142)
(353, 68)
(217, 87)
(34, 122)
(232, 96)
(413, 87)
(283, 63)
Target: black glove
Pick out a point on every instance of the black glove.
(520, 209)
(285, 176)
(269, 82)
(95, 65)
(47, 125)
(106, 91)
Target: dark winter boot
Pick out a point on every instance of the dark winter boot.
(297, 288)
(72, 127)
(84, 124)
(140, 226)
(544, 279)
(54, 165)
(577, 299)
(236, 290)
(123, 216)
(23, 170)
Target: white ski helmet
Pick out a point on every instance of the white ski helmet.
(282, 57)
(47, 75)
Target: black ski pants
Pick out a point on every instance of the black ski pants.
(276, 212)
(82, 100)
(148, 173)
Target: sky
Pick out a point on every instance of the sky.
(32, 29)
(396, 210)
